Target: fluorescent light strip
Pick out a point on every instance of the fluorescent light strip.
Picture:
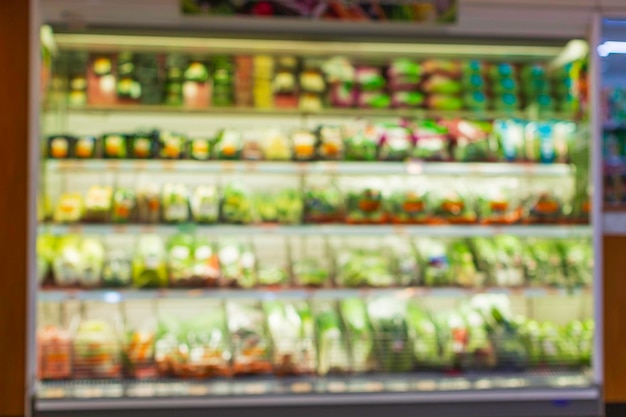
(220, 45)
(611, 47)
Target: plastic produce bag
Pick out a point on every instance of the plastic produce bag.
(68, 264)
(454, 207)
(148, 204)
(54, 353)
(92, 253)
(354, 315)
(251, 345)
(97, 350)
(117, 270)
(284, 206)
(124, 204)
(237, 205)
(205, 204)
(175, 203)
(462, 265)
(426, 349)
(331, 343)
(238, 265)
(323, 204)
(180, 260)
(434, 263)
(149, 263)
(410, 207)
(360, 267)
(98, 204)
(172, 145)
(292, 331)
(366, 206)
(69, 208)
(496, 206)
(393, 346)
(229, 145)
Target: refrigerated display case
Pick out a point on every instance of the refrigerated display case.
(277, 224)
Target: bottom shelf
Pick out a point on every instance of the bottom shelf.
(570, 394)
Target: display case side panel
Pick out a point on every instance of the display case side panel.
(14, 124)
(614, 313)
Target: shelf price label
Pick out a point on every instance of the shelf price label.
(112, 165)
(168, 165)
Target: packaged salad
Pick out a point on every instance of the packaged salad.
(366, 206)
(92, 253)
(114, 146)
(54, 353)
(393, 348)
(200, 149)
(96, 350)
(238, 265)
(251, 345)
(396, 144)
(361, 267)
(283, 207)
(117, 270)
(410, 207)
(433, 260)
(175, 203)
(237, 205)
(229, 145)
(143, 145)
(149, 263)
(453, 207)
(462, 265)
(180, 261)
(172, 145)
(361, 142)
(432, 142)
(544, 207)
(292, 332)
(196, 348)
(138, 343)
(60, 146)
(304, 145)
(423, 333)
(98, 204)
(149, 203)
(205, 204)
(85, 147)
(497, 206)
(69, 208)
(323, 205)
(330, 143)
(124, 205)
(276, 146)
(68, 263)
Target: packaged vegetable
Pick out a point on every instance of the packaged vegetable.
(406, 99)
(139, 354)
(238, 265)
(545, 207)
(366, 206)
(292, 331)
(175, 202)
(343, 95)
(180, 260)
(577, 258)
(443, 67)
(197, 348)
(331, 343)
(237, 205)
(148, 203)
(434, 263)
(114, 146)
(475, 101)
(471, 140)
(117, 270)
(510, 136)
(424, 335)
(452, 207)
(97, 351)
(143, 145)
(98, 204)
(373, 99)
(85, 147)
(205, 204)
(462, 265)
(360, 334)
(68, 264)
(393, 346)
(69, 208)
(205, 263)
(361, 267)
(54, 353)
(200, 149)
(409, 207)
(60, 146)
(432, 142)
(251, 345)
(149, 263)
(276, 146)
(509, 251)
(252, 148)
(323, 205)
(171, 145)
(396, 144)
(439, 84)
(539, 143)
(361, 142)
(283, 207)
(369, 79)
(403, 67)
(124, 204)
(303, 145)
(311, 272)
(312, 81)
(330, 143)
(496, 206)
(92, 253)
(229, 145)
(543, 263)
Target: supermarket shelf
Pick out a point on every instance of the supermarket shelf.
(333, 168)
(329, 112)
(547, 231)
(521, 394)
(115, 296)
